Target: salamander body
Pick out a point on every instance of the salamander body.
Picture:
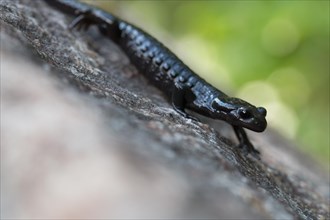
(184, 88)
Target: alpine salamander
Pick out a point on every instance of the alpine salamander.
(185, 89)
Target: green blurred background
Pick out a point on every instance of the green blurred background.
(272, 53)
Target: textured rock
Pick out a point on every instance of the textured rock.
(91, 138)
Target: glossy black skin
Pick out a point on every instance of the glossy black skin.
(185, 89)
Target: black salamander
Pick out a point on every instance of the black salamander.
(185, 89)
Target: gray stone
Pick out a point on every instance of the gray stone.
(84, 135)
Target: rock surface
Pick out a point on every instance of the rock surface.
(89, 137)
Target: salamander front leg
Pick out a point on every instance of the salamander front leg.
(107, 27)
(83, 21)
(245, 143)
(178, 102)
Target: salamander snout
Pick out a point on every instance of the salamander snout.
(262, 111)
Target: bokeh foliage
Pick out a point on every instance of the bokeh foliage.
(271, 53)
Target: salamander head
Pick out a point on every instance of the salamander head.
(240, 113)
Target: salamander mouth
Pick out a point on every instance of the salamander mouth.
(255, 125)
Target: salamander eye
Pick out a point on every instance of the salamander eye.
(244, 113)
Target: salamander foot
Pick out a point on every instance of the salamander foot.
(247, 148)
(184, 114)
